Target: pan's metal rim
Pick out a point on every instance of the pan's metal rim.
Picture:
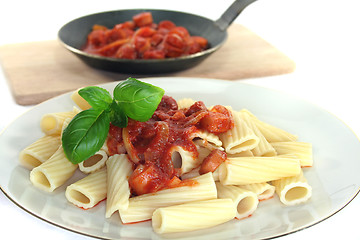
(139, 61)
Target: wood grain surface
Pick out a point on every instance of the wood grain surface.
(37, 71)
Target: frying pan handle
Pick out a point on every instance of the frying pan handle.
(231, 13)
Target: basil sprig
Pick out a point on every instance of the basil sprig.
(87, 131)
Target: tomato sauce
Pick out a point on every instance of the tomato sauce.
(115, 141)
(151, 141)
(141, 38)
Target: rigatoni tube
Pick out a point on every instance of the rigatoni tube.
(89, 191)
(270, 132)
(80, 101)
(240, 138)
(246, 170)
(245, 201)
(142, 207)
(302, 150)
(293, 190)
(52, 123)
(94, 163)
(193, 216)
(263, 149)
(54, 172)
(262, 190)
(119, 170)
(39, 151)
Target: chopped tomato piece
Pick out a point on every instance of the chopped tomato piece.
(127, 24)
(156, 39)
(196, 44)
(145, 32)
(166, 24)
(175, 40)
(193, 47)
(203, 42)
(97, 38)
(197, 106)
(212, 161)
(181, 31)
(178, 116)
(167, 103)
(174, 182)
(145, 179)
(218, 120)
(163, 31)
(142, 44)
(172, 52)
(154, 54)
(126, 51)
(143, 19)
(110, 49)
(115, 34)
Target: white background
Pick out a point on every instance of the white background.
(321, 36)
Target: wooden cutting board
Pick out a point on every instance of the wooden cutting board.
(37, 71)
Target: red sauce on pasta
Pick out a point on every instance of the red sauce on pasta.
(149, 144)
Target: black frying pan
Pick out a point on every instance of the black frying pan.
(73, 35)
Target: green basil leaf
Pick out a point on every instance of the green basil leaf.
(97, 97)
(139, 100)
(117, 115)
(85, 134)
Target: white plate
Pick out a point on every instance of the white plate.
(334, 176)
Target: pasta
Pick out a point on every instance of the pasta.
(119, 170)
(247, 153)
(263, 148)
(105, 148)
(193, 216)
(207, 140)
(293, 190)
(216, 174)
(188, 167)
(39, 151)
(94, 163)
(53, 173)
(142, 207)
(247, 170)
(245, 201)
(302, 150)
(52, 123)
(185, 103)
(88, 191)
(262, 190)
(270, 132)
(65, 124)
(240, 138)
(81, 102)
(185, 160)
